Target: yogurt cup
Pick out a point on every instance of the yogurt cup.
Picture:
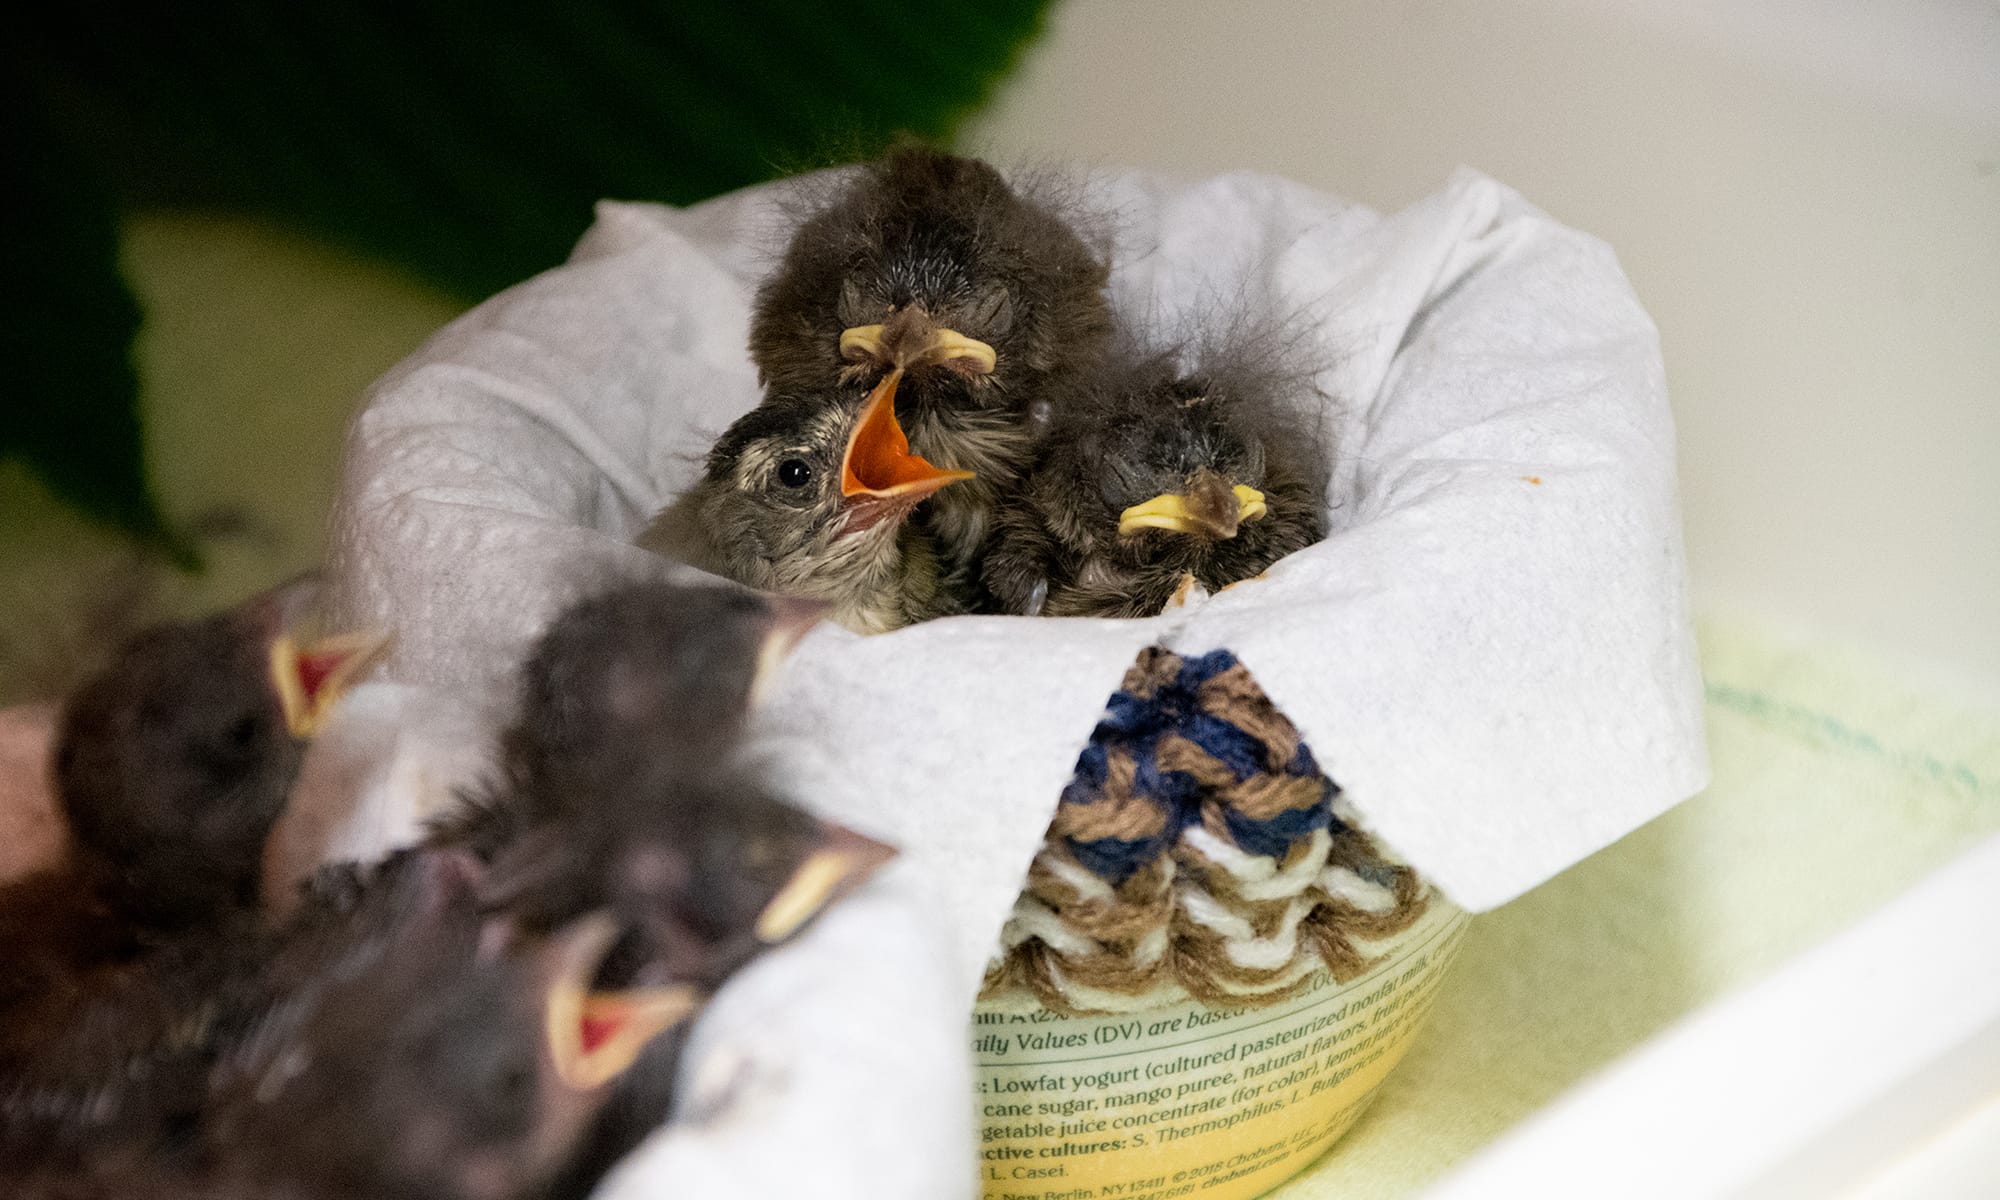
(1188, 1101)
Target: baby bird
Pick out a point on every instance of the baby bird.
(704, 875)
(170, 766)
(407, 1043)
(420, 1044)
(1152, 479)
(809, 495)
(673, 666)
(619, 798)
(931, 264)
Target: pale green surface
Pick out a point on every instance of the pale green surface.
(1836, 786)
(256, 346)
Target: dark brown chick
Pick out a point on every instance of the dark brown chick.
(676, 665)
(421, 1044)
(703, 866)
(704, 876)
(809, 495)
(170, 767)
(1152, 479)
(406, 1043)
(931, 263)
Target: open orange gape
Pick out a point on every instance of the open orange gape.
(878, 474)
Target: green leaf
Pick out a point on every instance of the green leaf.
(467, 141)
(462, 140)
(66, 326)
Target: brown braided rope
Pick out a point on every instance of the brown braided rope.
(1145, 892)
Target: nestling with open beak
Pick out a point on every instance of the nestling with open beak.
(1154, 479)
(422, 1044)
(704, 876)
(809, 495)
(629, 703)
(408, 1044)
(931, 264)
(170, 766)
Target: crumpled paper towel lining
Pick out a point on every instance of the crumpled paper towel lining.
(1490, 650)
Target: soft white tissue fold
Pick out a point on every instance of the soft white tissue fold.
(392, 757)
(1491, 651)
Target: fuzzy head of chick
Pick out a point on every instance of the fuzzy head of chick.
(806, 494)
(1158, 477)
(173, 762)
(428, 1049)
(641, 658)
(930, 262)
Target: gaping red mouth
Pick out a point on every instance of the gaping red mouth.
(310, 679)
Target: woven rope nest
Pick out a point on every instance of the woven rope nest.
(1198, 851)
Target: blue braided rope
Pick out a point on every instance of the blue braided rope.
(1163, 696)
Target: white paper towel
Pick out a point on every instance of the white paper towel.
(393, 757)
(1490, 651)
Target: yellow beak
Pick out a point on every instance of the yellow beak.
(841, 863)
(311, 679)
(1178, 512)
(866, 343)
(595, 1036)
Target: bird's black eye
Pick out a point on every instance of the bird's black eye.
(244, 731)
(795, 473)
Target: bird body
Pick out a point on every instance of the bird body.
(1150, 479)
(930, 264)
(619, 797)
(400, 1041)
(170, 766)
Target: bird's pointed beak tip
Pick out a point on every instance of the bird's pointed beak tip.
(844, 860)
(792, 618)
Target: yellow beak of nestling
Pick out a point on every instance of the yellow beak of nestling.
(1210, 508)
(843, 861)
(878, 474)
(939, 346)
(594, 1036)
(311, 679)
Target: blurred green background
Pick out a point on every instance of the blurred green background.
(239, 214)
